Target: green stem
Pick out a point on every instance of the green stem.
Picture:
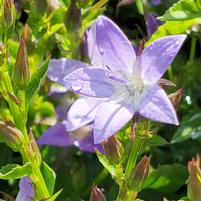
(36, 175)
(136, 147)
(193, 48)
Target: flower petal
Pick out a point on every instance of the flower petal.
(152, 23)
(81, 113)
(26, 192)
(93, 52)
(109, 119)
(87, 144)
(116, 50)
(156, 58)
(56, 136)
(59, 68)
(157, 107)
(93, 82)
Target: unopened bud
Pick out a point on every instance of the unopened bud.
(114, 150)
(139, 174)
(8, 9)
(175, 97)
(73, 17)
(13, 136)
(33, 148)
(125, 3)
(194, 182)
(21, 75)
(97, 194)
(27, 33)
(164, 82)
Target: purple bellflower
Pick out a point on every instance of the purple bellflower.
(77, 128)
(152, 23)
(156, 2)
(26, 192)
(128, 82)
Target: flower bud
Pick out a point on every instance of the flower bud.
(139, 174)
(125, 3)
(21, 74)
(194, 181)
(73, 17)
(164, 82)
(27, 33)
(33, 149)
(97, 194)
(13, 136)
(8, 15)
(114, 150)
(175, 97)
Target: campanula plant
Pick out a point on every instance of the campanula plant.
(100, 100)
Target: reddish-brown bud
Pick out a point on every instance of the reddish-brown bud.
(13, 136)
(33, 148)
(8, 11)
(164, 82)
(27, 33)
(125, 3)
(139, 174)
(194, 181)
(114, 150)
(73, 17)
(97, 194)
(175, 97)
(21, 74)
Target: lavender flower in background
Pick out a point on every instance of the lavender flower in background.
(26, 192)
(156, 2)
(129, 82)
(152, 23)
(77, 128)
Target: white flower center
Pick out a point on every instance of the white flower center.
(130, 93)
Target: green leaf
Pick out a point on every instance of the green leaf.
(167, 178)
(55, 195)
(15, 171)
(172, 27)
(183, 10)
(156, 140)
(104, 161)
(49, 176)
(36, 81)
(189, 128)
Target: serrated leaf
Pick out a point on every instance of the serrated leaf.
(167, 178)
(172, 28)
(189, 128)
(49, 177)
(183, 10)
(104, 161)
(36, 81)
(15, 171)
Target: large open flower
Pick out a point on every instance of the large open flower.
(129, 82)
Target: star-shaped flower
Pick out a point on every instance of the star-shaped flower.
(127, 81)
